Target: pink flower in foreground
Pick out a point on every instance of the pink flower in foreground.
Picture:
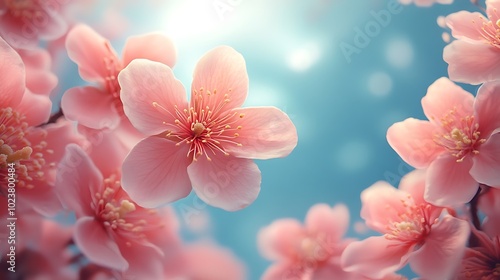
(24, 23)
(415, 232)
(208, 143)
(309, 251)
(111, 230)
(425, 3)
(481, 261)
(98, 63)
(474, 57)
(459, 145)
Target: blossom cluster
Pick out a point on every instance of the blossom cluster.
(119, 150)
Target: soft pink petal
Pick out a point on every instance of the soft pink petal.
(13, 76)
(334, 271)
(332, 222)
(442, 251)
(414, 184)
(95, 243)
(91, 107)
(492, 7)
(486, 164)
(462, 26)
(106, 149)
(77, 181)
(226, 182)
(444, 95)
(145, 83)
(42, 198)
(285, 271)
(155, 172)
(278, 240)
(144, 262)
(375, 256)
(36, 108)
(489, 204)
(382, 204)
(472, 63)
(93, 53)
(266, 132)
(449, 183)
(412, 139)
(39, 77)
(221, 71)
(152, 46)
(487, 108)
(206, 260)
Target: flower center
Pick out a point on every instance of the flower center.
(120, 214)
(412, 224)
(312, 251)
(206, 126)
(460, 136)
(24, 9)
(489, 31)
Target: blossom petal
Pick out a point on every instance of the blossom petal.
(93, 54)
(487, 162)
(285, 271)
(442, 252)
(472, 63)
(333, 222)
(152, 46)
(443, 96)
(155, 172)
(462, 26)
(412, 139)
(414, 184)
(144, 262)
(266, 132)
(144, 83)
(91, 107)
(222, 72)
(226, 182)
(77, 181)
(13, 76)
(382, 205)
(375, 256)
(489, 204)
(97, 245)
(449, 183)
(42, 104)
(277, 241)
(487, 108)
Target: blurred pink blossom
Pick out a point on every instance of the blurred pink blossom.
(24, 23)
(111, 230)
(459, 145)
(415, 232)
(208, 143)
(39, 78)
(481, 260)
(309, 251)
(98, 63)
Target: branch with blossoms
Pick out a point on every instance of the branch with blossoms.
(127, 144)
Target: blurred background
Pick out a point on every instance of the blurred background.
(307, 58)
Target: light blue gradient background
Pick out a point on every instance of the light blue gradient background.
(341, 119)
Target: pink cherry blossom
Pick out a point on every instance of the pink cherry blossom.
(98, 63)
(425, 3)
(24, 23)
(39, 77)
(111, 230)
(459, 145)
(415, 232)
(481, 260)
(34, 149)
(208, 143)
(309, 251)
(474, 57)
